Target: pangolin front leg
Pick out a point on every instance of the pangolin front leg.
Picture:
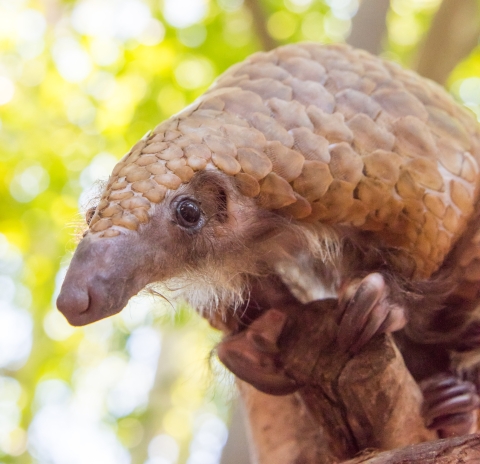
(253, 354)
(366, 309)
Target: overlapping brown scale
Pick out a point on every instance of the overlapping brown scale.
(451, 219)
(312, 93)
(171, 152)
(449, 158)
(275, 192)
(253, 162)
(304, 69)
(197, 163)
(469, 170)
(435, 204)
(168, 180)
(175, 164)
(400, 103)
(185, 173)
(243, 102)
(330, 126)
(126, 220)
(373, 193)
(247, 184)
(137, 174)
(413, 138)
(135, 202)
(314, 180)
(141, 214)
(145, 160)
(443, 124)
(101, 225)
(226, 163)
(112, 210)
(339, 80)
(312, 146)
(267, 88)
(119, 185)
(245, 137)
(383, 165)
(220, 145)
(289, 114)
(299, 210)
(286, 163)
(120, 195)
(337, 200)
(351, 102)
(369, 136)
(351, 139)
(214, 103)
(462, 196)
(268, 70)
(155, 147)
(424, 172)
(157, 168)
(345, 164)
(406, 186)
(271, 129)
(156, 194)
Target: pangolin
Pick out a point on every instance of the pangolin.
(304, 173)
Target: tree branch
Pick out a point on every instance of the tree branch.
(347, 404)
(458, 450)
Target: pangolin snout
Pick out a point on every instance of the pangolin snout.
(100, 280)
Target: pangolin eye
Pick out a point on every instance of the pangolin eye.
(89, 214)
(188, 213)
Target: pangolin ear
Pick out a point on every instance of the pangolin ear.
(305, 278)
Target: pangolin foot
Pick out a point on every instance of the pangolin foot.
(449, 405)
(366, 310)
(254, 356)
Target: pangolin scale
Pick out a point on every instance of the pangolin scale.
(320, 133)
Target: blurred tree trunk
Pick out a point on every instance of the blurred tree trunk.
(454, 32)
(259, 17)
(369, 26)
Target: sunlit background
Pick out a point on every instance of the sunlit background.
(80, 82)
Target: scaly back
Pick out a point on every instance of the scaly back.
(318, 133)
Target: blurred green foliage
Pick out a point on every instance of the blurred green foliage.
(80, 82)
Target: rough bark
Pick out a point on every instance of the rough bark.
(347, 404)
(458, 450)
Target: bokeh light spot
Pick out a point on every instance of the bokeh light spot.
(153, 33)
(7, 90)
(15, 336)
(194, 73)
(281, 25)
(29, 183)
(312, 26)
(164, 446)
(193, 36)
(72, 61)
(56, 326)
(184, 13)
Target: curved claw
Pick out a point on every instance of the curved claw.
(450, 405)
(253, 355)
(365, 311)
